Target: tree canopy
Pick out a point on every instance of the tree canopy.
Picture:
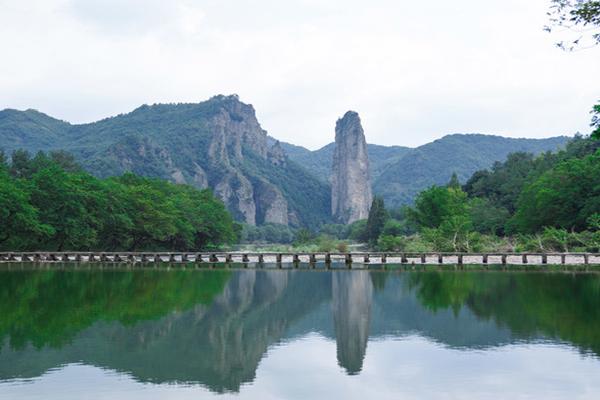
(48, 203)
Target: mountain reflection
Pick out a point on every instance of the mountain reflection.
(351, 303)
(214, 327)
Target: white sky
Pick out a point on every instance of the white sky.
(414, 70)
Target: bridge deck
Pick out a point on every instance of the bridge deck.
(361, 258)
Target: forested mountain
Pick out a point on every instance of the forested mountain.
(217, 143)
(220, 144)
(399, 173)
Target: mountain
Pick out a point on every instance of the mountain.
(220, 144)
(351, 194)
(217, 143)
(399, 173)
(319, 162)
(434, 163)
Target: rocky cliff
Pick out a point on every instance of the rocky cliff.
(217, 144)
(350, 180)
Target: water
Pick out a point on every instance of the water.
(253, 334)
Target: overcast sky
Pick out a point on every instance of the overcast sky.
(414, 70)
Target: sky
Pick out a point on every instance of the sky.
(413, 70)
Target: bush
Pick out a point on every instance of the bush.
(391, 243)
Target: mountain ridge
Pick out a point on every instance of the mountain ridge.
(399, 173)
(219, 143)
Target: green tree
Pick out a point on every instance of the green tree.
(596, 122)
(377, 218)
(563, 197)
(391, 243)
(486, 217)
(303, 236)
(18, 218)
(436, 204)
(20, 164)
(454, 182)
(358, 230)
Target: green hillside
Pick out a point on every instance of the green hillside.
(399, 173)
(217, 143)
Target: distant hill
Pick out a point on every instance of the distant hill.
(319, 161)
(399, 173)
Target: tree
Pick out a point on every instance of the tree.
(377, 218)
(394, 227)
(454, 182)
(596, 122)
(3, 161)
(303, 236)
(18, 218)
(70, 204)
(581, 17)
(486, 217)
(358, 230)
(20, 164)
(434, 205)
(391, 243)
(564, 197)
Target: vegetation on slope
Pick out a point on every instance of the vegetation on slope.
(48, 203)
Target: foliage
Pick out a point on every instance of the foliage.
(580, 16)
(454, 182)
(564, 197)
(432, 164)
(18, 218)
(268, 233)
(339, 231)
(48, 203)
(171, 142)
(391, 243)
(303, 236)
(393, 227)
(596, 122)
(437, 204)
(377, 218)
(358, 231)
(486, 217)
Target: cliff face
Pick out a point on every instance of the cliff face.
(217, 144)
(351, 194)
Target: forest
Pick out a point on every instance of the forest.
(47, 202)
(544, 202)
(549, 202)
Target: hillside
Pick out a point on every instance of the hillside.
(217, 143)
(399, 173)
(434, 163)
(318, 162)
(220, 144)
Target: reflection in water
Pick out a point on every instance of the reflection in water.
(351, 304)
(214, 327)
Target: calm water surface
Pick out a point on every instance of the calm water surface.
(292, 334)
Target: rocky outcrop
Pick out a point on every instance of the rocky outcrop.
(276, 154)
(351, 194)
(235, 134)
(216, 144)
(271, 206)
